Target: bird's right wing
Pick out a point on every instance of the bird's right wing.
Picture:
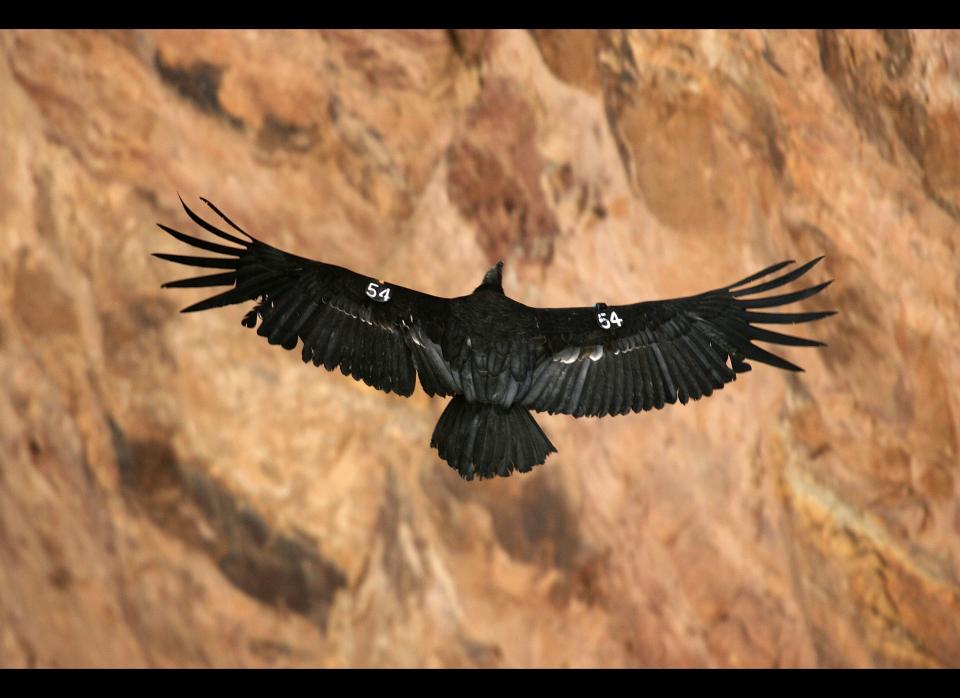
(613, 360)
(364, 326)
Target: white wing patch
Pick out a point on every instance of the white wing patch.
(568, 355)
(572, 354)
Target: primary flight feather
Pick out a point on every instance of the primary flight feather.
(497, 358)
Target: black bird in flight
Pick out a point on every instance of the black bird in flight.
(497, 358)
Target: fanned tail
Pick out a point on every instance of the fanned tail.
(484, 441)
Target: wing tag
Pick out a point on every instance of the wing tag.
(607, 319)
(379, 292)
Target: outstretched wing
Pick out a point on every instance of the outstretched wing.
(614, 360)
(346, 320)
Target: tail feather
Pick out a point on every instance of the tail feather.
(485, 441)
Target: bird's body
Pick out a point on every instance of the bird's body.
(481, 335)
(496, 357)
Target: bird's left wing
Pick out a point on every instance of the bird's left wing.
(614, 360)
(344, 319)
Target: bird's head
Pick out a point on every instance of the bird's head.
(493, 279)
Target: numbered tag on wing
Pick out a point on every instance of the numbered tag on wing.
(606, 317)
(378, 291)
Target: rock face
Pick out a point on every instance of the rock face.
(174, 491)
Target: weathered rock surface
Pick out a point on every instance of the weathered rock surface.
(173, 491)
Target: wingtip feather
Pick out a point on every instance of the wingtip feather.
(773, 268)
(213, 229)
(224, 216)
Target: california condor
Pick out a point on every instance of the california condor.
(497, 359)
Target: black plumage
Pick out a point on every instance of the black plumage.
(498, 358)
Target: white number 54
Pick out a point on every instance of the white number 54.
(381, 294)
(613, 319)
